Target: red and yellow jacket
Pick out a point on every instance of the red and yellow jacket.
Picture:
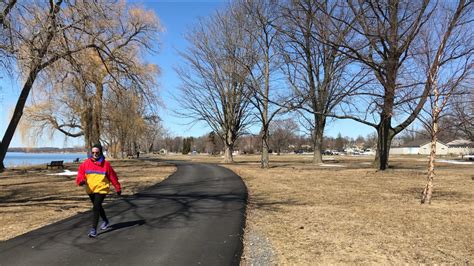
(98, 175)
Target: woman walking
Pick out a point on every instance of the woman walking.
(96, 174)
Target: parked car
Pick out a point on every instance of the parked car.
(328, 152)
(469, 157)
(368, 152)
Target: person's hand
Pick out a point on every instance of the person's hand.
(82, 183)
(119, 193)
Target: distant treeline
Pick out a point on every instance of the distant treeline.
(47, 150)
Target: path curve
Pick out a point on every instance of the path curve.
(196, 216)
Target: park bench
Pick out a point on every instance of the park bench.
(55, 164)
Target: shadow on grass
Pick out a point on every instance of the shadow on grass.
(438, 194)
(39, 200)
(274, 206)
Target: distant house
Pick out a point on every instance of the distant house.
(441, 148)
(460, 147)
(411, 147)
(419, 147)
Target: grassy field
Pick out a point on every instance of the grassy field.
(341, 212)
(345, 212)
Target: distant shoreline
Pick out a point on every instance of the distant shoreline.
(47, 150)
(18, 158)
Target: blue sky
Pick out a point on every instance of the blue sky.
(177, 18)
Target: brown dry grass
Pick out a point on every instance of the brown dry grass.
(31, 198)
(352, 215)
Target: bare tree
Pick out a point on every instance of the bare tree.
(76, 88)
(384, 34)
(6, 48)
(371, 141)
(128, 124)
(45, 34)
(460, 116)
(214, 79)
(318, 72)
(447, 59)
(38, 25)
(170, 143)
(154, 130)
(249, 143)
(5, 8)
(263, 18)
(281, 133)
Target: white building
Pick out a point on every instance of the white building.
(412, 147)
(419, 147)
(460, 147)
(441, 148)
(404, 150)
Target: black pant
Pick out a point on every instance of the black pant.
(97, 209)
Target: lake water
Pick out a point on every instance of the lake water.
(27, 158)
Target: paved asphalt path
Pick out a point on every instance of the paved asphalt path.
(194, 217)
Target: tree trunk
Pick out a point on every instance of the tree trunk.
(428, 190)
(97, 113)
(228, 158)
(2, 166)
(385, 135)
(278, 146)
(86, 121)
(317, 156)
(149, 148)
(318, 134)
(17, 113)
(265, 162)
(229, 146)
(112, 149)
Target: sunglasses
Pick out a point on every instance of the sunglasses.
(95, 152)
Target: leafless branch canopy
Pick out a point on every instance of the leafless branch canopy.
(214, 79)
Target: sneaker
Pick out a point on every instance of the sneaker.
(104, 226)
(92, 233)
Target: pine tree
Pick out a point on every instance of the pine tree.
(339, 143)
